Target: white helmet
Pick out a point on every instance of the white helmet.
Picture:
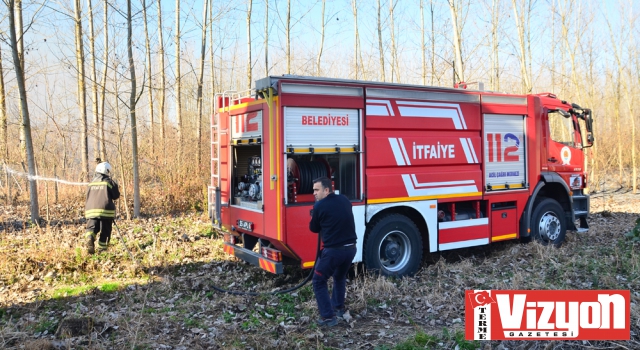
(104, 168)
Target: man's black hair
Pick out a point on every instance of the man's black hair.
(325, 182)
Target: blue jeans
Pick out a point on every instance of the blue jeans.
(333, 262)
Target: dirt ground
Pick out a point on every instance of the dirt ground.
(155, 291)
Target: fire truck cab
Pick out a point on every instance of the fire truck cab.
(426, 169)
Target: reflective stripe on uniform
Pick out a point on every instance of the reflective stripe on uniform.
(92, 213)
(90, 234)
(102, 183)
(102, 245)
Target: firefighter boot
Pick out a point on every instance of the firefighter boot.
(102, 246)
(89, 238)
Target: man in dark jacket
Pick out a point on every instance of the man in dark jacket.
(332, 217)
(100, 209)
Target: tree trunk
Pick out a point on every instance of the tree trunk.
(380, 48)
(123, 183)
(631, 103)
(495, 25)
(249, 78)
(203, 52)
(20, 48)
(322, 25)
(178, 83)
(82, 91)
(457, 42)
(94, 84)
(212, 58)
(132, 116)
(288, 29)
(423, 44)
(433, 42)
(520, 25)
(105, 69)
(4, 147)
(266, 39)
(395, 74)
(354, 9)
(163, 84)
(617, 50)
(14, 33)
(147, 46)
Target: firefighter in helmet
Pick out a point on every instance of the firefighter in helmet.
(100, 209)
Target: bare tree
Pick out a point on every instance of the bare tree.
(203, 51)
(354, 9)
(423, 45)
(288, 36)
(631, 98)
(322, 25)
(132, 115)
(494, 76)
(103, 88)
(82, 90)
(124, 200)
(522, 29)
(94, 83)
(616, 45)
(266, 39)
(15, 32)
(249, 7)
(433, 41)
(394, 48)
(457, 40)
(4, 149)
(147, 46)
(163, 81)
(178, 83)
(20, 49)
(380, 48)
(212, 58)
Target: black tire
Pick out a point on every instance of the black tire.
(393, 246)
(548, 224)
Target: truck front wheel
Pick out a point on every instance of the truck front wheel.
(393, 246)
(548, 225)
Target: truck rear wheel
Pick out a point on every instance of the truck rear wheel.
(393, 246)
(548, 225)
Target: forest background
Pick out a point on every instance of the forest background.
(133, 82)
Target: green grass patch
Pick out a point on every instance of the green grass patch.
(634, 234)
(209, 232)
(110, 287)
(70, 291)
(48, 325)
(420, 340)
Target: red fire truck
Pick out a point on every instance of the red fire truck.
(427, 169)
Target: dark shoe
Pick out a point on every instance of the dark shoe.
(102, 246)
(327, 322)
(89, 244)
(340, 312)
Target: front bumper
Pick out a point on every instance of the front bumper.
(253, 258)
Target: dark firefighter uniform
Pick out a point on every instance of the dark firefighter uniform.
(100, 210)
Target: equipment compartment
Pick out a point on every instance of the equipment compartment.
(341, 168)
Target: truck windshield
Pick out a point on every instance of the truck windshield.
(561, 129)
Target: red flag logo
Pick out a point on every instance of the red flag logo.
(480, 299)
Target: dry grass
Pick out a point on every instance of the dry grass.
(163, 299)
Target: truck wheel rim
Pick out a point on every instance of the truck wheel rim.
(549, 227)
(394, 251)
